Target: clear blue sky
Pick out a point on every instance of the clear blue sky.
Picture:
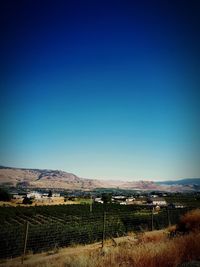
(103, 89)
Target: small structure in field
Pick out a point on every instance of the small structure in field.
(161, 202)
(35, 195)
(98, 200)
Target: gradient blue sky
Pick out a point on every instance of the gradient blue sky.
(103, 89)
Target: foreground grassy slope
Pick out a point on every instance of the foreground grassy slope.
(151, 249)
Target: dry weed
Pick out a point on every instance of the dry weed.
(190, 221)
(154, 236)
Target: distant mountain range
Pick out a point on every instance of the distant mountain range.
(186, 181)
(56, 179)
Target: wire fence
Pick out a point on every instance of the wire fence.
(50, 232)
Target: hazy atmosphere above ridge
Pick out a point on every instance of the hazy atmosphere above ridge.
(102, 89)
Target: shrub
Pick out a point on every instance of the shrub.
(27, 200)
(189, 222)
(4, 195)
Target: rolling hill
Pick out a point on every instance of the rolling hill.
(45, 178)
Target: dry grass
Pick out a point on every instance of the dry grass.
(165, 253)
(159, 251)
(190, 221)
(41, 202)
(154, 236)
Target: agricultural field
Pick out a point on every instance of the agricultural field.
(48, 227)
(151, 248)
(188, 200)
(44, 202)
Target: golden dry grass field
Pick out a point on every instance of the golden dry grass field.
(43, 202)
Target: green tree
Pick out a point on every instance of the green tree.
(106, 198)
(50, 193)
(4, 195)
(27, 200)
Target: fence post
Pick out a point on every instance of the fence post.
(25, 241)
(91, 202)
(152, 219)
(168, 217)
(104, 228)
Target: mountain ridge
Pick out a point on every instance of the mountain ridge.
(47, 178)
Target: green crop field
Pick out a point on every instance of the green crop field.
(65, 225)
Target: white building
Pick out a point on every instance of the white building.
(130, 199)
(56, 195)
(34, 194)
(159, 202)
(98, 200)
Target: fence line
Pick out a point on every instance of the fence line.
(69, 230)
